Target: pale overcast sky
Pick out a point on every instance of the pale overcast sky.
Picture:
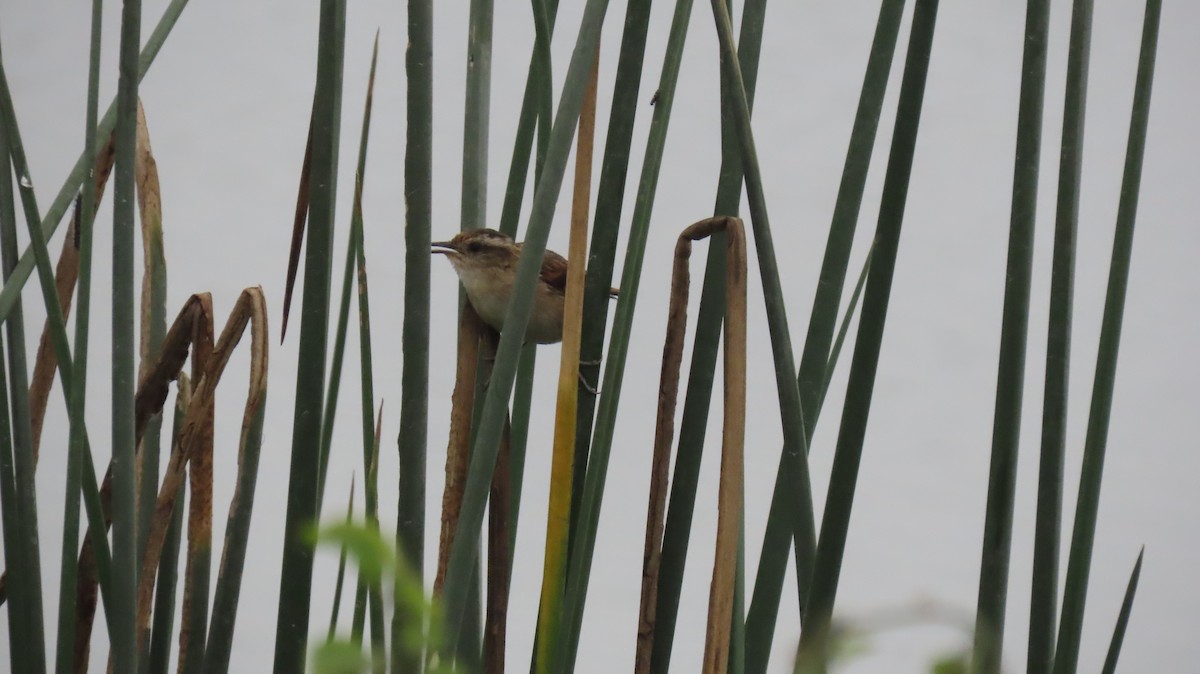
(228, 103)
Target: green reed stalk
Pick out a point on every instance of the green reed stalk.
(1095, 443)
(291, 634)
(1010, 382)
(124, 514)
(412, 441)
(848, 455)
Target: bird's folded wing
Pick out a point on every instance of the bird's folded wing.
(554, 273)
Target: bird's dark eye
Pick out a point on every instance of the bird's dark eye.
(475, 247)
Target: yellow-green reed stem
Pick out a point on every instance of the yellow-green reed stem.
(558, 517)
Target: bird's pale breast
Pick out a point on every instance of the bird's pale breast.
(490, 293)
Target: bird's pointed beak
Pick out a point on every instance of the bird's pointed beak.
(443, 247)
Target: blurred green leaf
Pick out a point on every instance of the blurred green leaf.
(955, 663)
(340, 656)
(365, 545)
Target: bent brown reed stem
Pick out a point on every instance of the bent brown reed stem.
(499, 551)
(151, 395)
(195, 434)
(729, 506)
(462, 405)
(198, 457)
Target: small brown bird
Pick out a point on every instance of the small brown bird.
(486, 263)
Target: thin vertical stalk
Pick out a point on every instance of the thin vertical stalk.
(334, 386)
(518, 442)
(836, 351)
(1095, 443)
(22, 570)
(359, 619)
(499, 560)
(341, 572)
(124, 521)
(473, 215)
(476, 118)
(989, 637)
(1062, 287)
(412, 441)
(545, 13)
(296, 572)
(1010, 384)
(219, 646)
(19, 610)
(848, 455)
(168, 565)
(68, 571)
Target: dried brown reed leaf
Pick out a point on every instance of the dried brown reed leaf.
(149, 198)
(200, 477)
(298, 225)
